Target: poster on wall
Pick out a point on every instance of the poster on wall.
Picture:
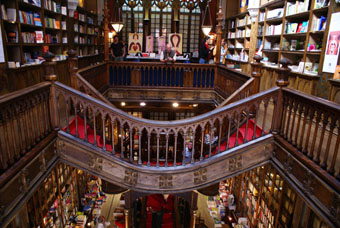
(332, 47)
(161, 44)
(175, 40)
(149, 44)
(135, 43)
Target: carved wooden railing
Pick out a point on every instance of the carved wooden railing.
(24, 121)
(121, 130)
(92, 79)
(312, 126)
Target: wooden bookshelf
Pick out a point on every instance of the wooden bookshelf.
(29, 30)
(238, 40)
(88, 33)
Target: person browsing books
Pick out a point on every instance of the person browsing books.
(168, 55)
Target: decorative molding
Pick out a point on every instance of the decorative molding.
(130, 177)
(24, 181)
(200, 176)
(288, 164)
(43, 161)
(308, 183)
(96, 163)
(60, 146)
(165, 181)
(235, 163)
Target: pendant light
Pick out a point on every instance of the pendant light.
(206, 28)
(117, 25)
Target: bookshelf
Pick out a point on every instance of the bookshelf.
(30, 28)
(238, 40)
(88, 33)
(293, 29)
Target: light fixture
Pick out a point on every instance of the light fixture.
(253, 10)
(72, 6)
(122, 104)
(206, 28)
(175, 104)
(117, 25)
(142, 104)
(194, 105)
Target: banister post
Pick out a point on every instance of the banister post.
(106, 31)
(218, 35)
(49, 66)
(73, 68)
(193, 209)
(256, 72)
(281, 83)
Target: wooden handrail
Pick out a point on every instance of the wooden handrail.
(242, 92)
(109, 120)
(312, 125)
(24, 121)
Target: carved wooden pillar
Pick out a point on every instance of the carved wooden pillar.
(50, 76)
(256, 72)
(219, 35)
(73, 68)
(106, 32)
(193, 209)
(281, 82)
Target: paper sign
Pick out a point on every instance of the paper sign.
(332, 47)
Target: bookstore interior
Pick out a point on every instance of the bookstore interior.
(306, 32)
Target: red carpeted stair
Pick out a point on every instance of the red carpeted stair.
(241, 136)
(232, 139)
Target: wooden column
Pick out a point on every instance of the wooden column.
(281, 82)
(256, 72)
(49, 66)
(73, 68)
(219, 35)
(106, 32)
(193, 209)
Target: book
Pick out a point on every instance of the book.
(3, 12)
(293, 45)
(64, 10)
(308, 66)
(11, 14)
(39, 36)
(36, 19)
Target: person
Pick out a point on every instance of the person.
(188, 152)
(168, 55)
(117, 49)
(155, 204)
(102, 222)
(204, 51)
(207, 138)
(223, 52)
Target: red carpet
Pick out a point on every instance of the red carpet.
(232, 139)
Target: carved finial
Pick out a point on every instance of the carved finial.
(48, 56)
(285, 62)
(71, 53)
(258, 58)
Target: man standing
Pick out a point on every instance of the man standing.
(188, 152)
(168, 55)
(117, 50)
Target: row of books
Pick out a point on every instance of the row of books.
(319, 24)
(30, 18)
(296, 27)
(260, 30)
(297, 7)
(52, 6)
(231, 35)
(293, 45)
(241, 22)
(261, 16)
(89, 20)
(51, 39)
(275, 13)
(10, 14)
(29, 37)
(265, 214)
(321, 3)
(52, 23)
(33, 2)
(274, 30)
(271, 46)
(311, 68)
